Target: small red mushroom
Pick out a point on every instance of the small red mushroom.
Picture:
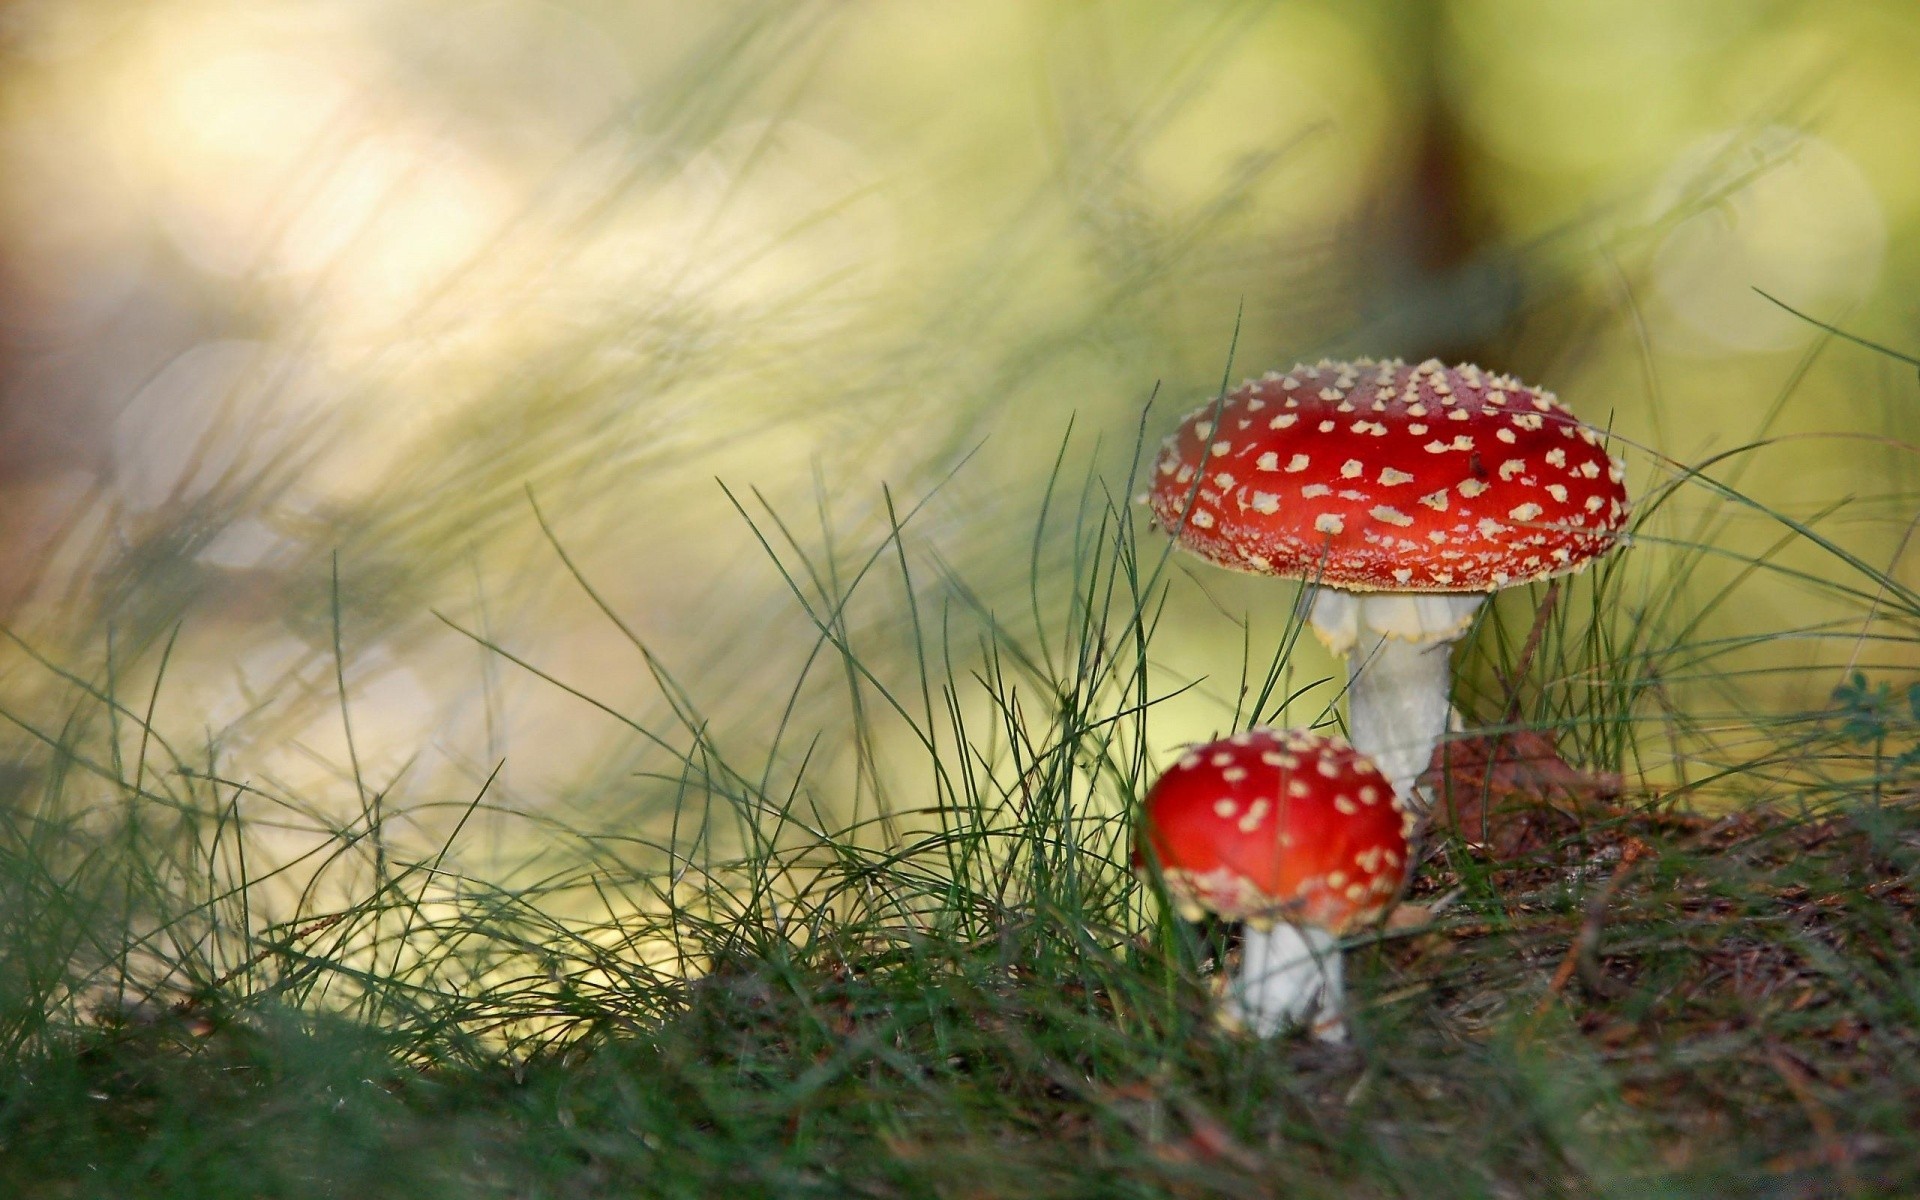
(1407, 494)
(1299, 836)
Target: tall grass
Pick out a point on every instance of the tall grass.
(949, 981)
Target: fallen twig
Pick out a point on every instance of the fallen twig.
(1824, 1128)
(1583, 957)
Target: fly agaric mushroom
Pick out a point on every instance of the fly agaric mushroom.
(1407, 495)
(1294, 833)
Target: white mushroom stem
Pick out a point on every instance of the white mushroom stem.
(1289, 979)
(1397, 646)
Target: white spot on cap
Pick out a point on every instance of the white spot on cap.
(1351, 469)
(1462, 442)
(1220, 448)
(1437, 501)
(1268, 461)
(1234, 774)
(1223, 480)
(1326, 427)
(1437, 447)
(1391, 516)
(1256, 812)
(1314, 491)
(1403, 575)
(1329, 523)
(1283, 420)
(1225, 807)
(1221, 759)
(1505, 435)
(1469, 488)
(1525, 512)
(1489, 527)
(1558, 491)
(1393, 478)
(1557, 457)
(1298, 789)
(1594, 503)
(1266, 502)
(1297, 463)
(1200, 518)
(1512, 467)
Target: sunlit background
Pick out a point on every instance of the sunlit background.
(292, 293)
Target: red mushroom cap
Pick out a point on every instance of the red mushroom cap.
(1384, 477)
(1278, 825)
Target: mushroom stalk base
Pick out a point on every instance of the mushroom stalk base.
(1397, 707)
(1397, 646)
(1289, 979)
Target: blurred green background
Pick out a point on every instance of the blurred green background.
(285, 284)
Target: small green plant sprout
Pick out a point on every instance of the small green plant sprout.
(1870, 716)
(1299, 836)
(1406, 495)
